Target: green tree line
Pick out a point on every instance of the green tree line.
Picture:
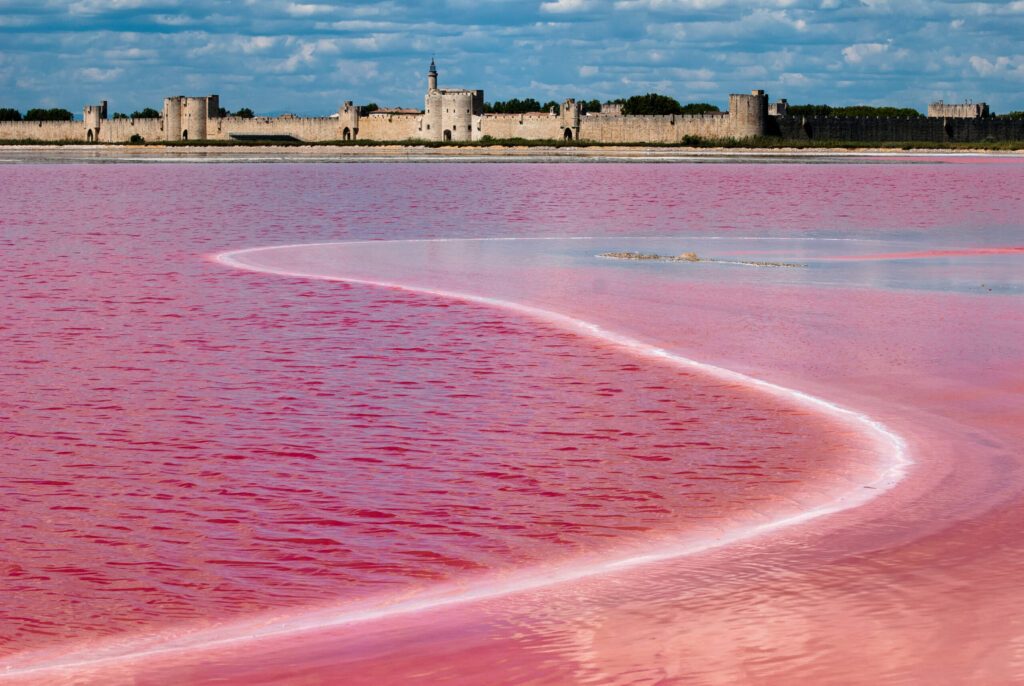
(36, 114)
(651, 103)
(517, 106)
(147, 113)
(851, 111)
(655, 103)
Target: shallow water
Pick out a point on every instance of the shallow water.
(196, 453)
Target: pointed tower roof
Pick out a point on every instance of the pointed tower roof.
(433, 67)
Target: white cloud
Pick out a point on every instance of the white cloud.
(257, 43)
(94, 74)
(564, 6)
(297, 9)
(302, 56)
(793, 79)
(858, 52)
(1000, 66)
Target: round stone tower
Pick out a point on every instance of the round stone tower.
(457, 116)
(172, 118)
(193, 119)
(749, 114)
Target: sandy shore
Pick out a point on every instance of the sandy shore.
(404, 153)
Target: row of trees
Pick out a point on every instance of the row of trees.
(36, 114)
(517, 106)
(651, 103)
(147, 113)
(655, 103)
(852, 111)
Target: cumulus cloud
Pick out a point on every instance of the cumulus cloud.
(1000, 66)
(858, 52)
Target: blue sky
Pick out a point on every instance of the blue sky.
(307, 57)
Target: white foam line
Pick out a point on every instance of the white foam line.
(894, 462)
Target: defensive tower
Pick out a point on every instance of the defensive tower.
(186, 118)
(749, 114)
(93, 116)
(448, 114)
(348, 121)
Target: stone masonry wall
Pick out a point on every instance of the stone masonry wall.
(122, 130)
(897, 129)
(654, 128)
(311, 129)
(53, 131)
(390, 127)
(527, 126)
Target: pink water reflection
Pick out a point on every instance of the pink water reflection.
(295, 407)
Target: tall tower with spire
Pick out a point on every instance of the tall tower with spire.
(448, 114)
(432, 76)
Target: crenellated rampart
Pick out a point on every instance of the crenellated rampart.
(528, 126)
(49, 131)
(122, 130)
(312, 129)
(655, 128)
(390, 127)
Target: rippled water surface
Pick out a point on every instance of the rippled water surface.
(195, 453)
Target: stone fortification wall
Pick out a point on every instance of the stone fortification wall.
(898, 129)
(52, 131)
(654, 128)
(311, 129)
(390, 127)
(122, 130)
(531, 126)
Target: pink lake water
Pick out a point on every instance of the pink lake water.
(393, 423)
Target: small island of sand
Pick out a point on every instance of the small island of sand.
(690, 257)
